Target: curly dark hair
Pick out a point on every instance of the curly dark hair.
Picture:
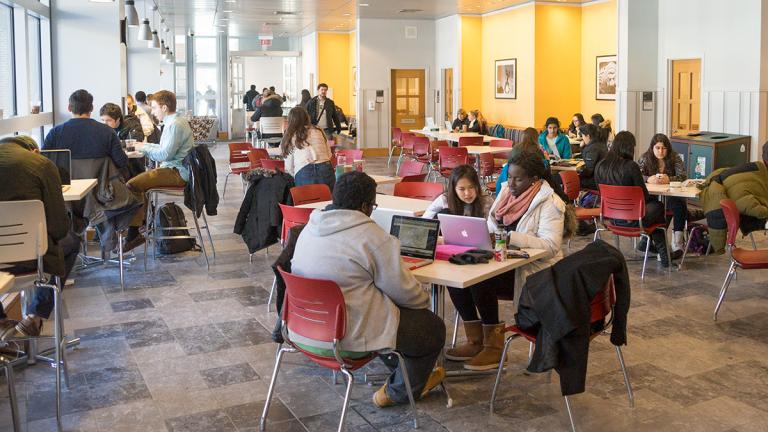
(353, 190)
(455, 204)
(112, 110)
(592, 131)
(532, 162)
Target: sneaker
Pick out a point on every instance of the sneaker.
(7, 328)
(435, 379)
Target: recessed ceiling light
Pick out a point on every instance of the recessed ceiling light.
(410, 10)
(347, 14)
(363, 4)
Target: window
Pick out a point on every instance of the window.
(180, 49)
(35, 64)
(205, 50)
(7, 80)
(234, 44)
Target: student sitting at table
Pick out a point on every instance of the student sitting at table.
(386, 306)
(603, 126)
(175, 143)
(464, 196)
(593, 150)
(660, 164)
(83, 136)
(126, 127)
(26, 175)
(574, 129)
(619, 169)
(528, 143)
(531, 215)
(554, 143)
(151, 132)
(460, 121)
(306, 151)
(477, 123)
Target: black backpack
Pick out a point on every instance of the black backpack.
(171, 215)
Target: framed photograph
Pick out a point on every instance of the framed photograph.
(606, 71)
(506, 79)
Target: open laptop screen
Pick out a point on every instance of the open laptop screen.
(63, 161)
(418, 237)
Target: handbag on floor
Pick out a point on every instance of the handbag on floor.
(168, 216)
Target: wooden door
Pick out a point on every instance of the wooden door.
(408, 98)
(447, 95)
(686, 96)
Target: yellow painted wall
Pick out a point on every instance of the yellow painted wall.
(508, 35)
(558, 63)
(598, 37)
(352, 107)
(471, 60)
(333, 66)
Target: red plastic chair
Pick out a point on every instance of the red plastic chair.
(502, 143)
(396, 143)
(238, 162)
(419, 190)
(406, 149)
(256, 156)
(273, 164)
(411, 168)
(627, 203)
(315, 309)
(450, 158)
(740, 258)
(572, 188)
(422, 149)
(476, 140)
(602, 306)
(308, 194)
(350, 154)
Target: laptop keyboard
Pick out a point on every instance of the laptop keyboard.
(411, 260)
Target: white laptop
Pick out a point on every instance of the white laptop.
(383, 217)
(448, 125)
(465, 231)
(430, 124)
(418, 239)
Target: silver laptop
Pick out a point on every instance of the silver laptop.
(448, 125)
(63, 161)
(430, 124)
(418, 239)
(383, 217)
(465, 231)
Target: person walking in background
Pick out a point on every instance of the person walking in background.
(250, 95)
(322, 112)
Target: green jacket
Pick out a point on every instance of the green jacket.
(746, 185)
(25, 175)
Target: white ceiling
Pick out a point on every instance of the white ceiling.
(249, 17)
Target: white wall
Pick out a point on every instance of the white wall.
(447, 56)
(87, 53)
(147, 71)
(382, 46)
(263, 72)
(727, 39)
(308, 68)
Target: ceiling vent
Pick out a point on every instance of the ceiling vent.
(410, 10)
(283, 13)
(410, 32)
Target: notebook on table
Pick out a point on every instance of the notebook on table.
(418, 239)
(63, 161)
(465, 231)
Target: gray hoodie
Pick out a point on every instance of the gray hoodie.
(346, 246)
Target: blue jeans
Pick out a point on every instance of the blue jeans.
(319, 173)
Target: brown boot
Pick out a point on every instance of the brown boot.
(473, 345)
(493, 343)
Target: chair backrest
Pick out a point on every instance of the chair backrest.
(413, 178)
(312, 193)
(406, 140)
(487, 165)
(273, 164)
(271, 125)
(421, 146)
(314, 308)
(571, 184)
(451, 157)
(350, 154)
(396, 135)
(293, 216)
(622, 202)
(418, 190)
(23, 231)
(256, 155)
(502, 143)
(602, 304)
(470, 141)
(236, 151)
(732, 219)
(441, 143)
(411, 168)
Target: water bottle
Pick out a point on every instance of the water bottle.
(500, 248)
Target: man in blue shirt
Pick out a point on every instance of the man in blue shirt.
(83, 136)
(175, 143)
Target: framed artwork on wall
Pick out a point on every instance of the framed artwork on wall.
(506, 79)
(606, 71)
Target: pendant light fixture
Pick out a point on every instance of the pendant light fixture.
(162, 47)
(155, 39)
(145, 33)
(131, 16)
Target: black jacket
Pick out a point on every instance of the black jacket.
(270, 107)
(250, 95)
(555, 305)
(130, 128)
(202, 191)
(259, 219)
(613, 170)
(592, 153)
(478, 127)
(329, 110)
(458, 124)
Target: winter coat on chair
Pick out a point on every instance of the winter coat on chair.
(200, 190)
(260, 219)
(556, 305)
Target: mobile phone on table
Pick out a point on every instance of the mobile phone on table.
(517, 254)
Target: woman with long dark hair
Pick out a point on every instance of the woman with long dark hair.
(603, 126)
(593, 150)
(619, 169)
(306, 151)
(464, 196)
(305, 97)
(574, 129)
(660, 164)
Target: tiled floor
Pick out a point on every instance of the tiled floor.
(187, 349)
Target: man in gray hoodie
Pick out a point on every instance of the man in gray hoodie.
(386, 305)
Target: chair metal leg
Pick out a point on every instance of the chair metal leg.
(570, 414)
(752, 238)
(530, 351)
(278, 359)
(271, 294)
(408, 388)
(668, 247)
(597, 234)
(12, 397)
(645, 256)
(57, 340)
(202, 242)
(456, 319)
(391, 152)
(499, 371)
(210, 237)
(347, 392)
(687, 244)
(724, 289)
(630, 393)
(120, 237)
(226, 179)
